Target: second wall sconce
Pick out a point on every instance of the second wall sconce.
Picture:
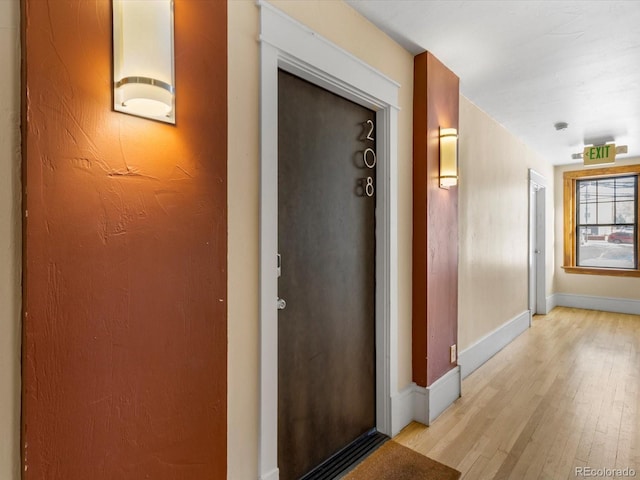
(143, 71)
(448, 157)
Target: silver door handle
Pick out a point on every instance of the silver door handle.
(537, 251)
(281, 303)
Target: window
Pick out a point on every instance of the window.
(601, 221)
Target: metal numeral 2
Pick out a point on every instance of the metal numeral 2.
(370, 123)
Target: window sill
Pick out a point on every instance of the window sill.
(613, 272)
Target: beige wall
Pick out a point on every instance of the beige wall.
(493, 209)
(243, 207)
(343, 26)
(10, 234)
(577, 284)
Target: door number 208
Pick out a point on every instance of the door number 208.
(370, 160)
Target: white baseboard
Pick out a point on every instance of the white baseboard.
(605, 304)
(422, 404)
(551, 303)
(485, 348)
(420, 410)
(402, 409)
(430, 402)
(443, 392)
(272, 475)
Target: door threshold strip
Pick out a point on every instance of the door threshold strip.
(348, 457)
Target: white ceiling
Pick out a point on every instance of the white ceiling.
(530, 64)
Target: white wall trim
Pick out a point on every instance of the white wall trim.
(537, 178)
(420, 404)
(335, 69)
(551, 302)
(272, 475)
(485, 348)
(588, 302)
(430, 402)
(537, 243)
(443, 392)
(403, 408)
(424, 405)
(287, 44)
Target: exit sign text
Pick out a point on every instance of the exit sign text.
(599, 154)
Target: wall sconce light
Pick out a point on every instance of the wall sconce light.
(143, 73)
(448, 157)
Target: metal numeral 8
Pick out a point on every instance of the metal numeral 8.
(369, 189)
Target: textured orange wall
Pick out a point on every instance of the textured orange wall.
(124, 356)
(435, 223)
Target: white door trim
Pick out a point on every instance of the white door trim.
(288, 45)
(537, 243)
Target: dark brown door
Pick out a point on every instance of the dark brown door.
(326, 239)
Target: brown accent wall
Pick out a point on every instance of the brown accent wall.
(435, 223)
(125, 334)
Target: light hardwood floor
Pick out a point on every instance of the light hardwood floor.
(564, 394)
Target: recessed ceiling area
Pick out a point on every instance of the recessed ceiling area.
(532, 64)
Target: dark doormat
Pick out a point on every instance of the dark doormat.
(393, 461)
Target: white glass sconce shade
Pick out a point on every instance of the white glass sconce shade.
(448, 157)
(143, 68)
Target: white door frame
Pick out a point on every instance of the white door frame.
(288, 45)
(537, 243)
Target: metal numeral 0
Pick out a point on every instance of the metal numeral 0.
(373, 155)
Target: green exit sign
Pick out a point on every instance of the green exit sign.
(599, 154)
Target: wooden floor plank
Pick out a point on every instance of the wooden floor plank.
(564, 394)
